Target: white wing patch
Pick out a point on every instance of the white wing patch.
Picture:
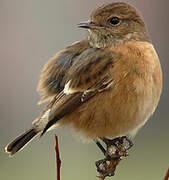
(67, 90)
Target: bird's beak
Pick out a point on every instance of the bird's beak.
(86, 24)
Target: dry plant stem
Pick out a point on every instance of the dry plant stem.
(58, 161)
(101, 178)
(167, 175)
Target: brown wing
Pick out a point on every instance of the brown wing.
(89, 75)
(92, 66)
(52, 79)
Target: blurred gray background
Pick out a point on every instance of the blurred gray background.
(31, 32)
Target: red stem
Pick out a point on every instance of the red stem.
(58, 161)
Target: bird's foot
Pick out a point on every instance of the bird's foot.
(106, 167)
(115, 150)
(119, 142)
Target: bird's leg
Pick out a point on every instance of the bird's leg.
(100, 146)
(130, 143)
(114, 151)
(106, 166)
(119, 142)
(102, 164)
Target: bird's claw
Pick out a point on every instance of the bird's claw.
(105, 168)
(115, 151)
(101, 165)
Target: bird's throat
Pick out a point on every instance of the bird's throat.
(99, 40)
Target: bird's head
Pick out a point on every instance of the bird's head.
(115, 23)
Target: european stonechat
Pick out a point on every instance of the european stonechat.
(106, 85)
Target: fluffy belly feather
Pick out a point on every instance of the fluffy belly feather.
(109, 114)
(126, 107)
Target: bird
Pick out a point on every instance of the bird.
(106, 85)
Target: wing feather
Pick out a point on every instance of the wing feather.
(93, 64)
(53, 75)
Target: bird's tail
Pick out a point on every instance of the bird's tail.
(19, 142)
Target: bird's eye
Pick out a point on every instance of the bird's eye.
(114, 21)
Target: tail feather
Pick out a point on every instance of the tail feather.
(18, 143)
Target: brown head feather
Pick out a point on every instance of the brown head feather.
(104, 34)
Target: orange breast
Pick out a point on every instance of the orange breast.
(126, 107)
